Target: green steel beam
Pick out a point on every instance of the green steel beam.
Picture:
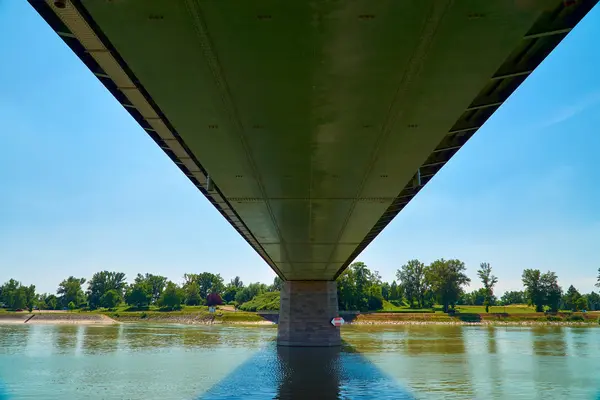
(318, 121)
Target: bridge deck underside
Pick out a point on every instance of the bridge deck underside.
(312, 118)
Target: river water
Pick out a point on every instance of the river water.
(145, 361)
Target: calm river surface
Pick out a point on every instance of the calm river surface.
(214, 362)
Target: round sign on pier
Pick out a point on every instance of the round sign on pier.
(337, 321)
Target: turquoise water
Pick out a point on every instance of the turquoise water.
(214, 362)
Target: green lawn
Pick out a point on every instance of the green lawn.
(512, 309)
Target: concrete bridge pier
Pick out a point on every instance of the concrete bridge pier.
(305, 314)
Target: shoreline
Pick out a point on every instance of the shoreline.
(56, 319)
(252, 319)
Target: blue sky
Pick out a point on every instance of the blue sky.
(84, 188)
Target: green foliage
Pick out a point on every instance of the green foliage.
(267, 301)
(69, 291)
(359, 289)
(110, 299)
(248, 293)
(489, 281)
(206, 282)
(412, 279)
(513, 297)
(593, 300)
(446, 279)
(232, 288)
(192, 294)
(51, 302)
(581, 304)
(570, 299)
(385, 290)
(277, 285)
(139, 294)
(171, 297)
(552, 291)
(375, 298)
(14, 295)
(598, 279)
(153, 284)
(575, 318)
(542, 289)
(101, 283)
(71, 305)
(395, 292)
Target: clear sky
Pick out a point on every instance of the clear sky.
(83, 188)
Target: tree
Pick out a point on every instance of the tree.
(552, 292)
(139, 294)
(51, 302)
(593, 300)
(412, 278)
(581, 304)
(489, 281)
(237, 282)
(474, 298)
(375, 298)
(16, 296)
(598, 279)
(101, 283)
(359, 289)
(70, 290)
(571, 297)
(154, 283)
(385, 290)
(277, 285)
(249, 292)
(394, 292)
(513, 297)
(534, 291)
(110, 299)
(192, 294)
(207, 282)
(171, 297)
(446, 279)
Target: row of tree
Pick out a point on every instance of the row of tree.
(419, 286)
(109, 288)
(443, 282)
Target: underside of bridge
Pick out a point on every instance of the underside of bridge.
(310, 124)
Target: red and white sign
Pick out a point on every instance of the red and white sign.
(337, 321)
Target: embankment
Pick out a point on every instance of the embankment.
(56, 318)
(476, 319)
(190, 318)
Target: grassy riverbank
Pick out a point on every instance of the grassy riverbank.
(185, 316)
(199, 315)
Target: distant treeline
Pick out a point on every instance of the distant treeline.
(418, 285)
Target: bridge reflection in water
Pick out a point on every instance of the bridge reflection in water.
(307, 373)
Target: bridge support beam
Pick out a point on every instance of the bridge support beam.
(305, 314)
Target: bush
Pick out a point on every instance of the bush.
(575, 318)
(143, 315)
(263, 302)
(554, 318)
